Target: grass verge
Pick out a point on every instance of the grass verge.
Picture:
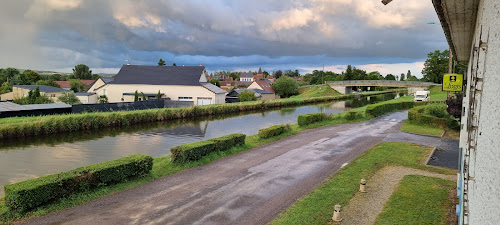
(418, 200)
(423, 129)
(317, 207)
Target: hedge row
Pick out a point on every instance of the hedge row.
(273, 131)
(195, 151)
(32, 193)
(306, 119)
(419, 115)
(382, 108)
(31, 126)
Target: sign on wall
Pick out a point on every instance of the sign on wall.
(453, 82)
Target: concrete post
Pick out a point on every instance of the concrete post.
(362, 185)
(336, 214)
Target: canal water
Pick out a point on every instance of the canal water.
(22, 159)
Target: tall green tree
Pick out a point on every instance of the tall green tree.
(161, 62)
(9, 74)
(349, 75)
(48, 83)
(69, 98)
(435, 66)
(402, 77)
(77, 85)
(390, 77)
(5, 88)
(82, 72)
(277, 74)
(29, 77)
(136, 96)
(286, 87)
(215, 82)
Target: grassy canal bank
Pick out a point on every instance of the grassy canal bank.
(40, 125)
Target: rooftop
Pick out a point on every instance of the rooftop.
(160, 75)
(43, 88)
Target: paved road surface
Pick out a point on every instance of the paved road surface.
(252, 187)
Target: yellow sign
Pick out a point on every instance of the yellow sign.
(453, 82)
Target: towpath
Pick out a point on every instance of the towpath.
(251, 187)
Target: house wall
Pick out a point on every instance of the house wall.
(97, 84)
(267, 96)
(115, 92)
(246, 79)
(91, 99)
(18, 93)
(479, 142)
(254, 85)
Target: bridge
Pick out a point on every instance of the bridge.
(345, 87)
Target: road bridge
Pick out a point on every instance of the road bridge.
(345, 87)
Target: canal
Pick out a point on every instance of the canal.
(22, 159)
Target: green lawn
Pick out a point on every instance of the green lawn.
(317, 207)
(316, 91)
(418, 200)
(421, 129)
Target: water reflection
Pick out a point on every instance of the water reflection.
(22, 159)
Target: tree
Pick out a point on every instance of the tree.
(143, 96)
(435, 66)
(234, 75)
(56, 77)
(158, 96)
(402, 77)
(375, 75)
(34, 97)
(8, 74)
(48, 83)
(5, 88)
(161, 62)
(390, 77)
(277, 74)
(246, 96)
(136, 96)
(174, 64)
(265, 74)
(82, 72)
(77, 85)
(286, 87)
(69, 98)
(215, 82)
(348, 75)
(289, 73)
(29, 77)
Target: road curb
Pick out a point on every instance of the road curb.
(430, 155)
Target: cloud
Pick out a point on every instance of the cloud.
(383, 68)
(103, 33)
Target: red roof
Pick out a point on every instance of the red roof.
(266, 86)
(65, 84)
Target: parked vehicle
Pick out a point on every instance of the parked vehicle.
(422, 96)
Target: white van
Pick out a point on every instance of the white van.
(422, 96)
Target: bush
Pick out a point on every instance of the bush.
(437, 110)
(195, 151)
(32, 193)
(273, 131)
(352, 115)
(382, 108)
(304, 120)
(247, 96)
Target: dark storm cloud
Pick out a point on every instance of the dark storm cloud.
(103, 33)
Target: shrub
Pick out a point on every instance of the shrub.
(304, 120)
(437, 110)
(32, 193)
(273, 131)
(195, 151)
(247, 96)
(382, 108)
(352, 115)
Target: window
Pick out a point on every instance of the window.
(186, 99)
(53, 95)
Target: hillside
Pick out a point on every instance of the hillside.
(316, 91)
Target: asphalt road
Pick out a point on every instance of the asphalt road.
(251, 187)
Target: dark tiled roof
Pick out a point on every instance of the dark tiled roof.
(159, 75)
(246, 74)
(84, 93)
(213, 88)
(43, 88)
(107, 79)
(265, 84)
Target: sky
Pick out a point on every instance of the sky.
(230, 35)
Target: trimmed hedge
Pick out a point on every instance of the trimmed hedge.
(273, 131)
(422, 114)
(195, 151)
(382, 108)
(306, 119)
(32, 193)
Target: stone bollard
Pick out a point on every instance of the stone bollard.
(336, 214)
(362, 185)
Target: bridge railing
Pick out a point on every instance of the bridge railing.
(349, 82)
